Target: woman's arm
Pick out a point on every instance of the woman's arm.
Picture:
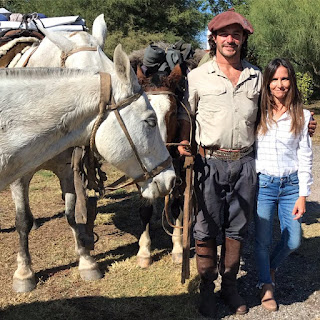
(305, 158)
(299, 208)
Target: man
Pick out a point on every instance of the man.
(223, 96)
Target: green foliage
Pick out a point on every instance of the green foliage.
(135, 40)
(305, 85)
(288, 29)
(218, 6)
(133, 22)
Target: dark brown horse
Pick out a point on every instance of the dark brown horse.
(161, 89)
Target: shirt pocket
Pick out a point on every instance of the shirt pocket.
(249, 105)
(253, 95)
(214, 100)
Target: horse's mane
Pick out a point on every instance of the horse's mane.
(43, 73)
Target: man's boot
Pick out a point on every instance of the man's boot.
(228, 268)
(206, 257)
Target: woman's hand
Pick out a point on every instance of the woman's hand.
(299, 208)
(184, 150)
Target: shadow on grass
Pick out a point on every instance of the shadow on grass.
(313, 213)
(177, 307)
(37, 222)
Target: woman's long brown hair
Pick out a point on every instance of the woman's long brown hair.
(293, 99)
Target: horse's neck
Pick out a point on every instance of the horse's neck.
(45, 125)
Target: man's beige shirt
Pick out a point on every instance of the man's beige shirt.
(225, 115)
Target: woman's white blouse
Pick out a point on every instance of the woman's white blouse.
(280, 153)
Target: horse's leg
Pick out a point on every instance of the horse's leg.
(144, 253)
(177, 247)
(23, 278)
(88, 268)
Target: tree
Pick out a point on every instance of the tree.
(132, 22)
(290, 29)
(218, 6)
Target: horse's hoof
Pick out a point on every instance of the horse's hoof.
(25, 285)
(144, 262)
(90, 274)
(177, 258)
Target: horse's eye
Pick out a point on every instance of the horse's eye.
(152, 122)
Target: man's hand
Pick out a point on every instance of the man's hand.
(185, 149)
(312, 125)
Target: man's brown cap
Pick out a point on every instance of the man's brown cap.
(227, 18)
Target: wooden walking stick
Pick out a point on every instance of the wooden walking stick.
(187, 219)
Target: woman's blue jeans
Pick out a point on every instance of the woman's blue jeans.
(275, 194)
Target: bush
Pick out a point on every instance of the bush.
(305, 85)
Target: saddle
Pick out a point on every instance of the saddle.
(14, 43)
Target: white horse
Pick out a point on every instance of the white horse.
(43, 117)
(72, 50)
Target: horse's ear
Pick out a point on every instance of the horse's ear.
(59, 40)
(122, 65)
(99, 30)
(175, 76)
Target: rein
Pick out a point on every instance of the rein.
(107, 104)
(165, 212)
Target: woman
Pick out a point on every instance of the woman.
(283, 163)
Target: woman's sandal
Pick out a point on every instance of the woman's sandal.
(267, 298)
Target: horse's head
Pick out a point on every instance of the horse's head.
(161, 91)
(72, 49)
(140, 121)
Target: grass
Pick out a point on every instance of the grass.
(126, 291)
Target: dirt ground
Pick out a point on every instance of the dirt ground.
(126, 291)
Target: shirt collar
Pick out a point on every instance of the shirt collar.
(247, 71)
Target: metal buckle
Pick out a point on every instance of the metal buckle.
(235, 155)
(225, 155)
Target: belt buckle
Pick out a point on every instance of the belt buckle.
(235, 155)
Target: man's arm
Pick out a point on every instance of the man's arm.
(184, 137)
(312, 125)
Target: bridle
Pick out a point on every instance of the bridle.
(107, 103)
(170, 93)
(165, 214)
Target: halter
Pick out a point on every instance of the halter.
(107, 104)
(170, 93)
(66, 55)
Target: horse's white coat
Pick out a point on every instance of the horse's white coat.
(44, 115)
(161, 105)
(48, 53)
(122, 79)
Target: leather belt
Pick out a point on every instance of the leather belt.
(224, 154)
